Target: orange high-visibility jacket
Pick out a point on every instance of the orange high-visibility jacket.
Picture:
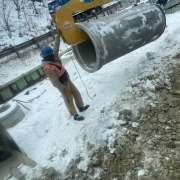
(58, 69)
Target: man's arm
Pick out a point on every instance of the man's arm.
(56, 46)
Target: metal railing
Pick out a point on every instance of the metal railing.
(33, 41)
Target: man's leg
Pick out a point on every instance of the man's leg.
(68, 99)
(77, 96)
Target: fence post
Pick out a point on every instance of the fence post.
(36, 42)
(16, 51)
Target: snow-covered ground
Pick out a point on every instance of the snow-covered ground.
(51, 137)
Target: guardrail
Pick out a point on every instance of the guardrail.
(33, 41)
(172, 6)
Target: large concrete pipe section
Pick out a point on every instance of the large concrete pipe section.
(113, 36)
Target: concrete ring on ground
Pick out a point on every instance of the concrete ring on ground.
(11, 114)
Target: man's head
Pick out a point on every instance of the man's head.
(47, 53)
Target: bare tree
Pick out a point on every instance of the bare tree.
(33, 2)
(5, 12)
(42, 1)
(25, 15)
(18, 8)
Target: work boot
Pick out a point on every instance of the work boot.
(78, 118)
(81, 109)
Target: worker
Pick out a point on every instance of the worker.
(60, 79)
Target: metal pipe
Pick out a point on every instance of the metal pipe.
(113, 36)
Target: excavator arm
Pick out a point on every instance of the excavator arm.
(65, 17)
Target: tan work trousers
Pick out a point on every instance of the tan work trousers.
(71, 94)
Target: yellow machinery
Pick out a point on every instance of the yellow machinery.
(98, 42)
(66, 16)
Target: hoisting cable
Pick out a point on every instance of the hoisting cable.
(79, 74)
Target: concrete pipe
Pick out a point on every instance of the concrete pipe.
(113, 36)
(11, 114)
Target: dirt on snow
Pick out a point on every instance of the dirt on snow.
(149, 147)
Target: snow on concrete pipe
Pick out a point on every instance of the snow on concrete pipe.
(115, 35)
